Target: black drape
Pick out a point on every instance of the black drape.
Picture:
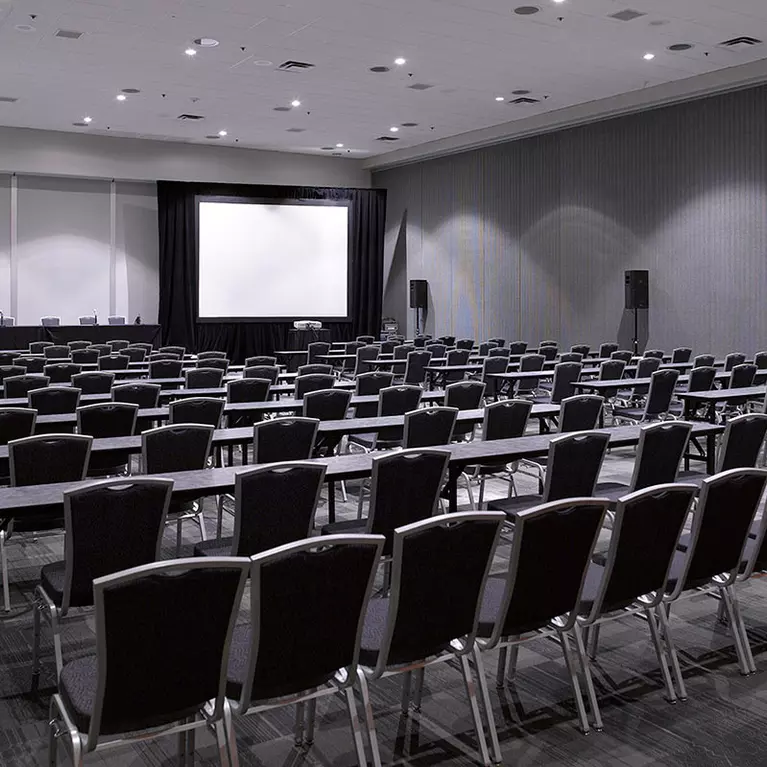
(177, 215)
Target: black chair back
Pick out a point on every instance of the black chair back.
(118, 345)
(20, 386)
(56, 351)
(305, 370)
(457, 357)
(662, 386)
(38, 347)
(326, 404)
(405, 488)
(203, 378)
(213, 363)
(85, 356)
(701, 379)
(580, 413)
(742, 442)
(74, 345)
(565, 375)
(396, 400)
(102, 349)
(528, 363)
(177, 447)
(622, 354)
(141, 394)
(437, 349)
(661, 448)
(248, 390)
(107, 419)
(54, 400)
(284, 439)
(114, 362)
(464, 395)
(506, 419)
(367, 385)
(549, 353)
(364, 355)
(733, 359)
(493, 365)
(61, 372)
(260, 360)
(94, 382)
(497, 341)
(313, 382)
(316, 349)
(681, 354)
(193, 604)
(48, 458)
(214, 355)
(465, 343)
(334, 576)
(607, 349)
(111, 526)
(16, 423)
(351, 348)
(655, 354)
(275, 505)
(134, 353)
(11, 371)
(205, 410)
(550, 554)
(31, 364)
(742, 376)
(366, 339)
(611, 370)
(760, 360)
(415, 368)
(574, 462)
(387, 347)
(179, 351)
(499, 351)
(270, 372)
(582, 349)
(439, 573)
(570, 357)
(517, 347)
(429, 426)
(646, 529)
(401, 351)
(165, 369)
(645, 368)
(704, 361)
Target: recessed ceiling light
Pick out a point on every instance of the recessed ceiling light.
(559, 1)
(379, 70)
(295, 103)
(222, 133)
(680, 47)
(121, 97)
(400, 61)
(190, 52)
(394, 129)
(526, 10)
(25, 28)
(87, 120)
(206, 42)
(131, 91)
(500, 98)
(263, 63)
(339, 146)
(648, 56)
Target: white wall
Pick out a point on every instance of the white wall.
(49, 153)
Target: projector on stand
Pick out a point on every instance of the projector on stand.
(307, 325)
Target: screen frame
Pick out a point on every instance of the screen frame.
(200, 198)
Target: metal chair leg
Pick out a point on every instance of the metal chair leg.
(53, 732)
(407, 678)
(663, 613)
(586, 668)
(369, 719)
(418, 692)
(471, 692)
(4, 564)
(741, 626)
(745, 669)
(593, 643)
(574, 683)
(298, 730)
(485, 695)
(311, 719)
(500, 676)
(652, 622)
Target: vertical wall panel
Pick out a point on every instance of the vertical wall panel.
(5, 244)
(681, 191)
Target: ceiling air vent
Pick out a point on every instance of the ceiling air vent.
(744, 41)
(420, 87)
(190, 117)
(387, 138)
(295, 130)
(68, 34)
(628, 15)
(524, 100)
(294, 66)
(8, 99)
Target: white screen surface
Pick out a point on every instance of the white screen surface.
(272, 261)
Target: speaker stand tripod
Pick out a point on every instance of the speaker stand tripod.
(418, 321)
(636, 331)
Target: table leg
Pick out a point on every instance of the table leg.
(452, 490)
(711, 453)
(331, 502)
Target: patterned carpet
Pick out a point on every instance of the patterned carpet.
(723, 723)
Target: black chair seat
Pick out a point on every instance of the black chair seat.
(512, 506)
(611, 490)
(216, 548)
(373, 631)
(52, 581)
(112, 463)
(492, 601)
(39, 523)
(691, 478)
(238, 668)
(591, 585)
(347, 526)
(629, 412)
(748, 552)
(677, 566)
(364, 440)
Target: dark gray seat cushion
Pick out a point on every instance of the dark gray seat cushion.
(373, 631)
(216, 548)
(512, 506)
(346, 526)
(52, 581)
(77, 686)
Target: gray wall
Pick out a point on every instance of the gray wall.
(530, 239)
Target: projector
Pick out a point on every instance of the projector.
(307, 325)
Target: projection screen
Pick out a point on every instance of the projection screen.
(267, 260)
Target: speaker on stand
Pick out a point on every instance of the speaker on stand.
(637, 283)
(419, 298)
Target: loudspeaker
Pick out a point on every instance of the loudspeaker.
(637, 289)
(418, 294)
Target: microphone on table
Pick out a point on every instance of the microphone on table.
(2, 317)
(137, 320)
(95, 318)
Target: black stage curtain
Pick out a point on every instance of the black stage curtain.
(178, 268)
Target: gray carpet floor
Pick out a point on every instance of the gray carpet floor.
(724, 722)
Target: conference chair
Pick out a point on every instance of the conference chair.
(364, 355)
(56, 351)
(419, 342)
(36, 348)
(611, 370)
(259, 360)
(94, 382)
(465, 343)
(760, 360)
(369, 385)
(31, 364)
(50, 321)
(491, 365)
(662, 385)
(574, 462)
(203, 378)
(464, 395)
(659, 452)
(40, 460)
(549, 353)
(538, 594)
(387, 347)
(582, 349)
(109, 526)
(80, 344)
(315, 350)
(54, 400)
(134, 353)
(348, 365)
(733, 359)
(180, 351)
(165, 369)
(205, 410)
(179, 447)
(700, 379)
(8, 322)
(144, 395)
(245, 390)
(456, 357)
(526, 387)
(114, 362)
(655, 353)
(103, 420)
(709, 557)
(392, 400)
(84, 320)
(517, 348)
(87, 356)
(429, 427)
(741, 376)
(565, 375)
(157, 356)
(327, 405)
(273, 506)
(314, 382)
(7, 359)
(117, 345)
(128, 691)
(269, 372)
(645, 368)
(305, 370)
(630, 577)
(334, 579)
(415, 367)
(102, 349)
(498, 351)
(15, 423)
(144, 345)
(606, 349)
(704, 361)
(438, 350)
(432, 613)
(681, 354)
(484, 348)
(217, 363)
(366, 339)
(115, 319)
(506, 419)
(61, 372)
(570, 357)
(11, 371)
(623, 354)
(212, 355)
(497, 341)
(20, 386)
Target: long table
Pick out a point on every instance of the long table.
(20, 336)
(25, 501)
(711, 399)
